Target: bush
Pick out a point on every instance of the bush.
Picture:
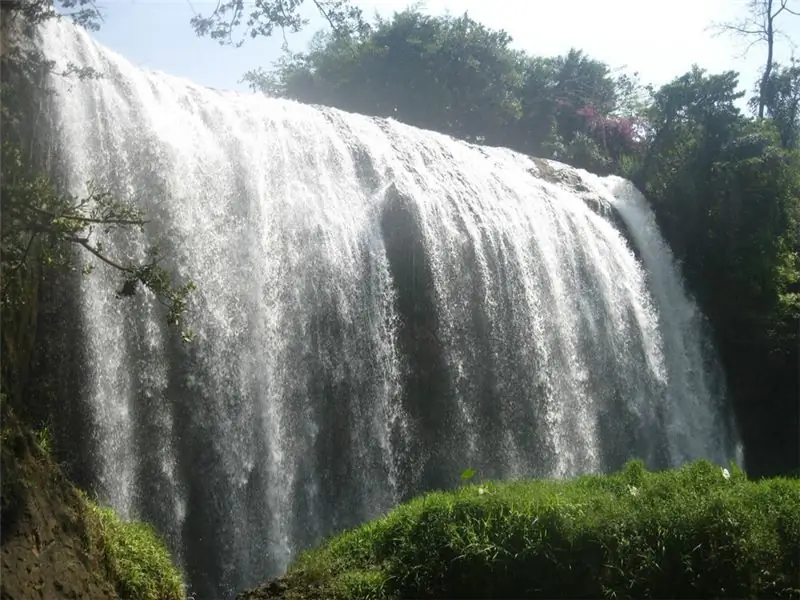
(695, 532)
(137, 561)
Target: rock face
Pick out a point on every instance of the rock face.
(46, 544)
(273, 590)
(292, 586)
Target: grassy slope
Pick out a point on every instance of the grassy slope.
(695, 532)
(58, 544)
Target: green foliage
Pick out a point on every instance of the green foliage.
(456, 76)
(263, 17)
(42, 224)
(556, 89)
(726, 191)
(84, 13)
(699, 531)
(138, 563)
(44, 439)
(369, 585)
(467, 474)
(781, 97)
(435, 72)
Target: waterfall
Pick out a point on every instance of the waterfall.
(377, 308)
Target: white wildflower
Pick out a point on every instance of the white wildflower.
(725, 473)
(634, 491)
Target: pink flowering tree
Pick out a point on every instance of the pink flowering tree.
(618, 136)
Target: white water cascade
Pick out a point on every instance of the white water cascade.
(377, 308)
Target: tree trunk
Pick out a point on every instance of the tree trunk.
(768, 67)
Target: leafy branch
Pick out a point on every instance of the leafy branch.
(268, 15)
(84, 13)
(41, 224)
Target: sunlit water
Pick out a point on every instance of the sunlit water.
(378, 307)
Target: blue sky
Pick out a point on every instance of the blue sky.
(660, 40)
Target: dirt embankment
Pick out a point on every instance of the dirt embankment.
(45, 535)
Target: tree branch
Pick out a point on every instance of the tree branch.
(27, 249)
(80, 219)
(22, 259)
(84, 242)
(785, 7)
(325, 14)
(237, 11)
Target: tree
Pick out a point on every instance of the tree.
(575, 110)
(44, 227)
(727, 197)
(781, 98)
(263, 17)
(456, 76)
(38, 220)
(40, 224)
(448, 74)
(760, 26)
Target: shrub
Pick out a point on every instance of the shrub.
(696, 532)
(137, 561)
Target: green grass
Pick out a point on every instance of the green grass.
(137, 561)
(694, 532)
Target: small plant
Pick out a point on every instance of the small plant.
(44, 439)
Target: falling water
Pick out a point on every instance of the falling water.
(378, 308)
